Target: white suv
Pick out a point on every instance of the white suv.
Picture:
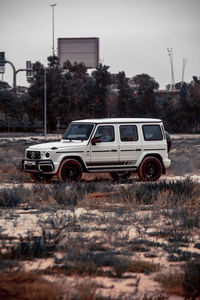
(119, 146)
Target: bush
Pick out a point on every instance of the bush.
(88, 262)
(53, 231)
(12, 197)
(191, 283)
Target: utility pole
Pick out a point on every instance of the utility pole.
(53, 51)
(183, 70)
(170, 53)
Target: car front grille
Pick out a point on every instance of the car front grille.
(33, 154)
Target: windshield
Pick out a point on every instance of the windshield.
(78, 132)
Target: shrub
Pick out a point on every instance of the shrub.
(88, 262)
(191, 283)
(165, 193)
(141, 266)
(12, 197)
(53, 231)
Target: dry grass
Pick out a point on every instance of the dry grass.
(27, 286)
(101, 228)
(139, 266)
(86, 290)
(172, 283)
(185, 156)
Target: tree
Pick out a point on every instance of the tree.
(190, 105)
(102, 80)
(145, 103)
(36, 93)
(36, 90)
(145, 83)
(125, 96)
(7, 105)
(74, 93)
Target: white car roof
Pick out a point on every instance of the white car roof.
(119, 120)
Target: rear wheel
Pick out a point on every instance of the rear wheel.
(150, 169)
(70, 170)
(120, 175)
(41, 178)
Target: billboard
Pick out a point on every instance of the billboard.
(80, 50)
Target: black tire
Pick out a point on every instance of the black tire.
(169, 142)
(120, 175)
(70, 170)
(41, 178)
(150, 169)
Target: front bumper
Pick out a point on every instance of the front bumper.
(38, 165)
(167, 163)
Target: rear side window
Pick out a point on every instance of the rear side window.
(152, 133)
(128, 133)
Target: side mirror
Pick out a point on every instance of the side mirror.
(95, 140)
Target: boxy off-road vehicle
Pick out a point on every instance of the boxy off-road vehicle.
(119, 146)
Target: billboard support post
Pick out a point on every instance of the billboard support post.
(45, 104)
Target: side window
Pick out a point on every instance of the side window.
(152, 133)
(105, 133)
(128, 133)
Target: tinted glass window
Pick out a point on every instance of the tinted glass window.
(78, 132)
(105, 133)
(152, 132)
(128, 133)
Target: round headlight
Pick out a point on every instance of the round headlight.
(47, 154)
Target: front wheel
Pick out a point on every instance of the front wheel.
(70, 170)
(41, 178)
(150, 169)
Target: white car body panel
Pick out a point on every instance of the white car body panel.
(117, 155)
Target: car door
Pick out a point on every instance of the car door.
(104, 152)
(130, 144)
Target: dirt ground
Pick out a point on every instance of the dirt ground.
(104, 244)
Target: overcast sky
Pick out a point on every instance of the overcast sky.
(134, 34)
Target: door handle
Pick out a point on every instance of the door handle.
(113, 150)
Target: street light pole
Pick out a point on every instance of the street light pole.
(45, 104)
(53, 5)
